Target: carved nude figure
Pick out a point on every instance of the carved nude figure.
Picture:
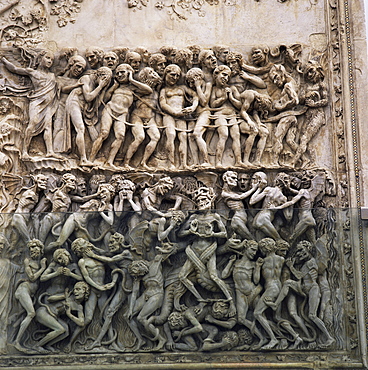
(94, 57)
(115, 113)
(173, 98)
(25, 292)
(234, 201)
(43, 101)
(144, 117)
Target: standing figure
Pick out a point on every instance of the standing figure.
(225, 115)
(27, 289)
(315, 98)
(82, 107)
(144, 117)
(288, 99)
(234, 201)
(206, 227)
(196, 80)
(43, 101)
(115, 113)
(173, 99)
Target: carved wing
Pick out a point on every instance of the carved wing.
(137, 237)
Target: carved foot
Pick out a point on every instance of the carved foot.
(298, 341)
(114, 346)
(258, 346)
(273, 343)
(54, 155)
(25, 350)
(329, 343)
(93, 345)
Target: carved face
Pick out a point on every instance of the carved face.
(4, 106)
(92, 59)
(172, 76)
(135, 61)
(243, 180)
(41, 181)
(258, 57)
(81, 187)
(234, 66)
(251, 251)
(160, 66)
(302, 253)
(210, 61)
(203, 199)
(259, 178)
(220, 310)
(278, 78)
(122, 74)
(63, 258)
(79, 292)
(69, 181)
(47, 60)
(222, 77)
(77, 69)
(231, 178)
(34, 251)
(312, 73)
(110, 60)
(266, 246)
(114, 245)
(223, 54)
(145, 55)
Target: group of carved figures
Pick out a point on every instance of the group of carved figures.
(126, 109)
(150, 265)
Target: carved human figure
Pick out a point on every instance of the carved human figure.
(134, 60)
(306, 284)
(119, 260)
(144, 305)
(94, 56)
(93, 272)
(234, 200)
(158, 63)
(206, 227)
(78, 222)
(272, 197)
(145, 55)
(195, 49)
(221, 52)
(225, 115)
(66, 83)
(144, 118)
(120, 98)
(260, 105)
(28, 202)
(288, 99)
(42, 101)
(82, 107)
(173, 98)
(315, 98)
(8, 271)
(62, 304)
(196, 81)
(184, 59)
(271, 272)
(34, 267)
(246, 275)
(208, 63)
(110, 60)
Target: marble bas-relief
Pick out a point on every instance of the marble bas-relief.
(174, 203)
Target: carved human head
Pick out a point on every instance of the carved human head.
(125, 186)
(233, 62)
(221, 51)
(76, 66)
(220, 310)
(116, 242)
(177, 320)
(62, 257)
(122, 73)
(221, 75)
(144, 53)
(282, 247)
(121, 51)
(194, 74)
(169, 52)
(69, 181)
(164, 185)
(278, 75)
(45, 59)
(263, 105)
(149, 76)
(195, 49)
(80, 246)
(110, 60)
(158, 63)
(138, 268)
(178, 217)
(204, 197)
(40, 181)
(184, 58)
(251, 248)
(106, 192)
(104, 72)
(259, 55)
(35, 248)
(230, 178)
(282, 180)
(259, 178)
(81, 291)
(5, 104)
(94, 56)
(314, 71)
(172, 74)
(302, 251)
(207, 59)
(81, 186)
(266, 246)
(95, 181)
(243, 181)
(133, 59)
